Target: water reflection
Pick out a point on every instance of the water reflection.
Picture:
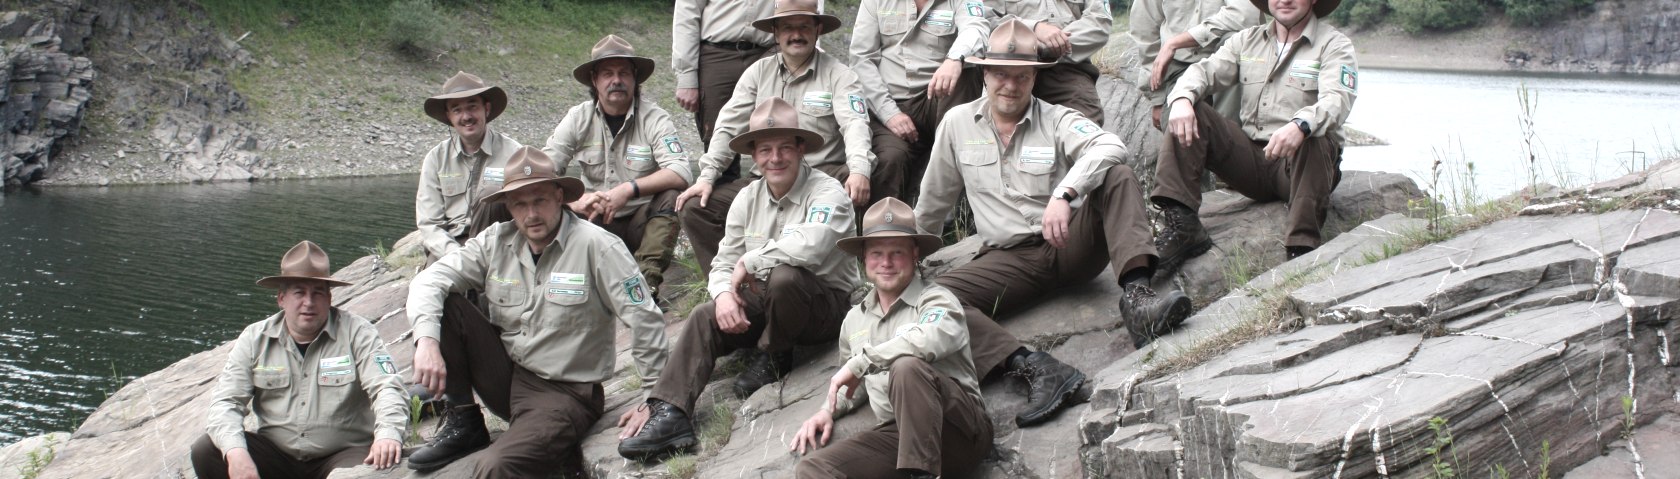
(101, 285)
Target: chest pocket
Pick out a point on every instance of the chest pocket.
(1036, 168)
(592, 164)
(337, 377)
(1301, 89)
(978, 168)
(271, 380)
(816, 105)
(452, 185)
(505, 292)
(895, 23)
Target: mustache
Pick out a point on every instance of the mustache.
(618, 88)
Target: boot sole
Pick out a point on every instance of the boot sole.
(1169, 265)
(1068, 387)
(447, 460)
(666, 447)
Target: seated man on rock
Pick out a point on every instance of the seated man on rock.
(631, 160)
(777, 281)
(907, 345)
(1298, 79)
(325, 392)
(463, 168)
(1054, 205)
(554, 285)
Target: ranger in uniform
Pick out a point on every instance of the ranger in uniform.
(554, 284)
(907, 345)
(1052, 202)
(1298, 80)
(1170, 36)
(1069, 32)
(830, 103)
(319, 380)
(777, 281)
(631, 159)
(464, 168)
(712, 44)
(908, 57)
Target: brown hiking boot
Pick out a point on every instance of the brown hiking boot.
(1149, 315)
(1181, 238)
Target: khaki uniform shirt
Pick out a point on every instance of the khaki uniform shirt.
(556, 313)
(717, 21)
(1207, 21)
(606, 159)
(1008, 188)
(829, 101)
(344, 392)
(897, 49)
(452, 182)
(1086, 21)
(797, 230)
(1316, 79)
(925, 322)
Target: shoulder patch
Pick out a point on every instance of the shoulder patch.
(385, 364)
(1086, 128)
(819, 213)
(633, 290)
(975, 8)
(1350, 78)
(933, 315)
(672, 144)
(857, 103)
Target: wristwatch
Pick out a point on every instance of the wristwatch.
(1306, 128)
(1066, 194)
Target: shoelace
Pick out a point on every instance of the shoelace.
(659, 414)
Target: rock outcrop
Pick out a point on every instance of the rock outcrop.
(46, 83)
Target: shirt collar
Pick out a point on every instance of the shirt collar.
(872, 301)
(492, 143)
(602, 114)
(810, 66)
(1314, 30)
(277, 325)
(983, 111)
(796, 194)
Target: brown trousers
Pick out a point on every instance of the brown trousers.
(651, 233)
(1304, 181)
(925, 113)
(721, 66)
(1110, 228)
(792, 309)
(940, 429)
(704, 224)
(547, 420)
(1073, 85)
(209, 463)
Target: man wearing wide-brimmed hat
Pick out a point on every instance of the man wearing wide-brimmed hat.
(712, 43)
(554, 284)
(325, 392)
(777, 281)
(908, 57)
(1171, 35)
(830, 104)
(1298, 79)
(463, 168)
(906, 345)
(629, 155)
(1068, 33)
(1054, 205)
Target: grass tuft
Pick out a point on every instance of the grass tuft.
(682, 466)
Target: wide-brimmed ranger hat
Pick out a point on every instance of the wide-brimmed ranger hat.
(890, 218)
(530, 166)
(1321, 9)
(1012, 44)
(610, 47)
(772, 118)
(798, 8)
(465, 85)
(304, 262)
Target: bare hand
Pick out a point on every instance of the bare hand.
(689, 99)
(902, 127)
(384, 454)
(240, 465)
(1285, 142)
(1053, 40)
(1158, 70)
(857, 186)
(429, 370)
(1056, 216)
(730, 317)
(612, 200)
(1155, 116)
(944, 80)
(585, 205)
(1181, 124)
(631, 421)
(700, 189)
(814, 433)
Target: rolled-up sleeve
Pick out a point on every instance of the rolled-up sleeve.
(459, 271)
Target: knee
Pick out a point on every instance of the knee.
(207, 458)
(814, 466)
(664, 203)
(910, 370)
(784, 279)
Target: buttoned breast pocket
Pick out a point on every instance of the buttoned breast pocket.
(639, 159)
(978, 168)
(270, 379)
(452, 184)
(505, 292)
(1037, 168)
(1303, 90)
(592, 165)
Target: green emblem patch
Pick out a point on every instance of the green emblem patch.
(977, 9)
(1085, 127)
(385, 364)
(1350, 78)
(819, 213)
(933, 315)
(633, 290)
(857, 103)
(671, 144)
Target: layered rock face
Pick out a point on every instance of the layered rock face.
(1536, 343)
(46, 85)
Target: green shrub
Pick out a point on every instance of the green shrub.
(1419, 15)
(417, 27)
(1535, 13)
(1360, 13)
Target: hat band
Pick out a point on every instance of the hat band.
(896, 228)
(1011, 56)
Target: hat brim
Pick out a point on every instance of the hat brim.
(1321, 9)
(1007, 63)
(277, 282)
(829, 23)
(644, 69)
(743, 143)
(926, 244)
(572, 188)
(437, 106)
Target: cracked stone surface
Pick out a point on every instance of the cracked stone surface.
(1525, 332)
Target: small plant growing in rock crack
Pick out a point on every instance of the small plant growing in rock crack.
(414, 412)
(1443, 458)
(682, 466)
(1627, 417)
(38, 458)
